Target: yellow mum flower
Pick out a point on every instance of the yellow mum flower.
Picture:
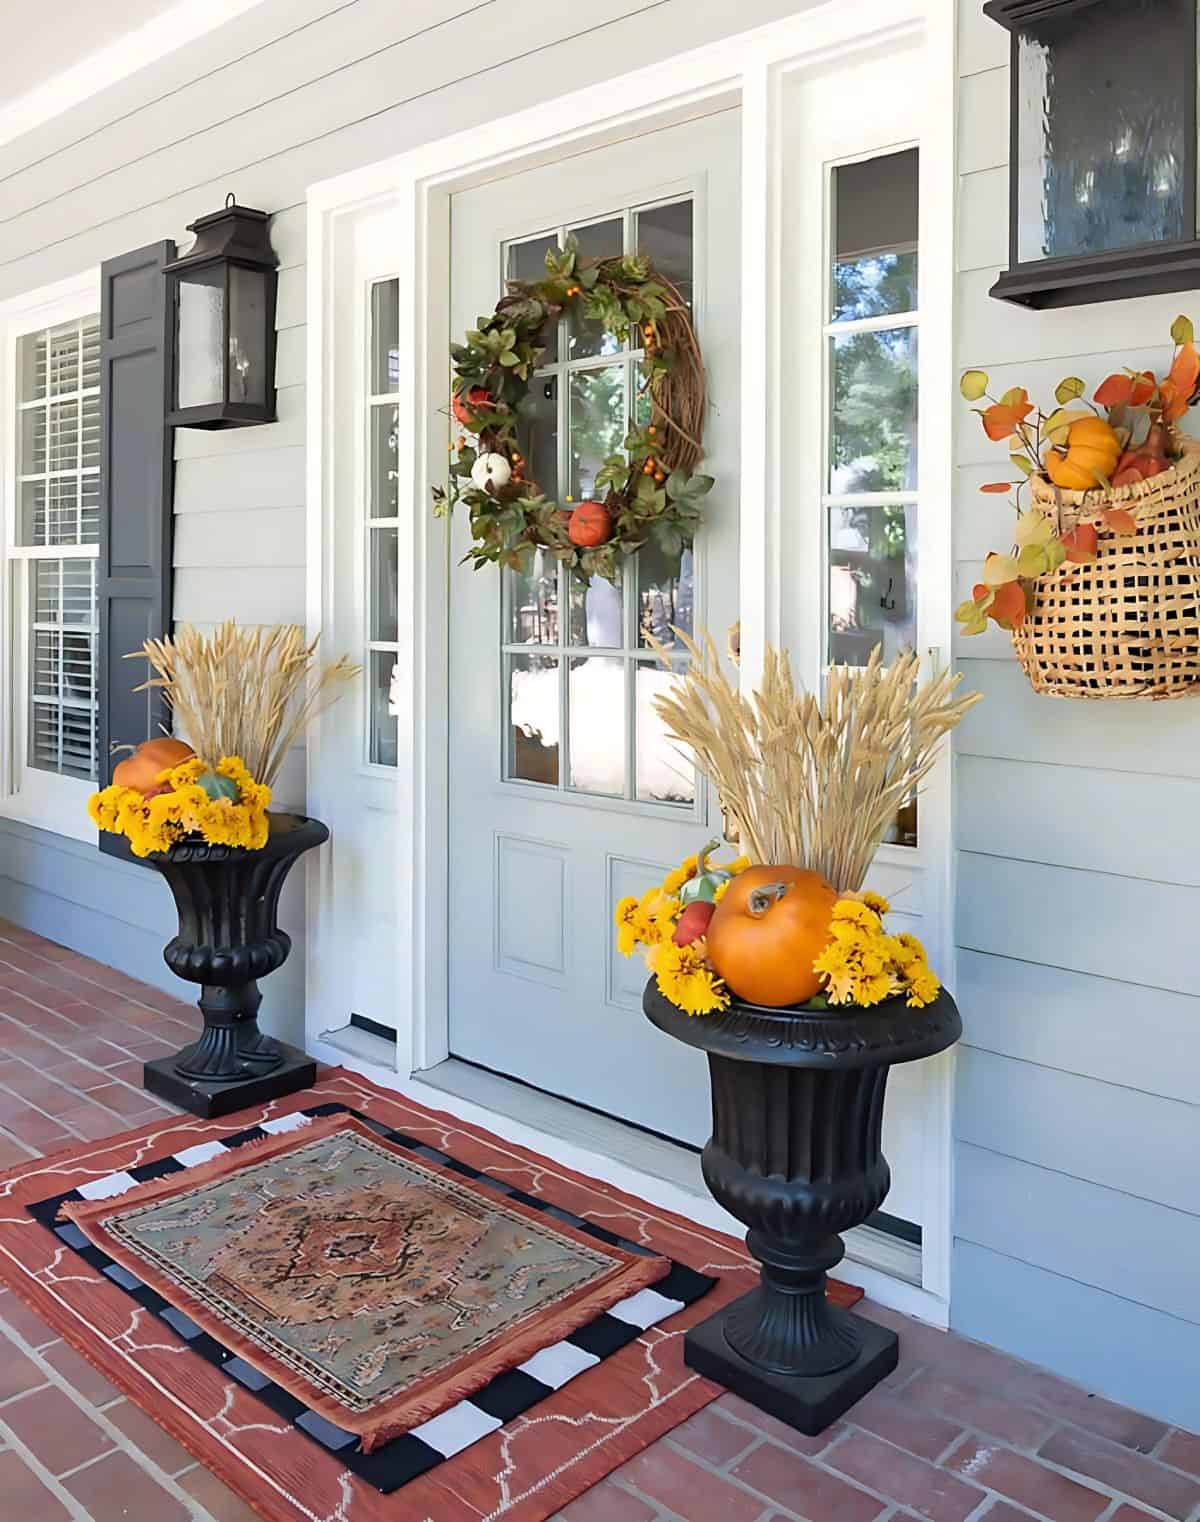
(850, 911)
(877, 902)
(923, 988)
(739, 864)
(682, 874)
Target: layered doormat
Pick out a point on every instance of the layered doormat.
(351, 1308)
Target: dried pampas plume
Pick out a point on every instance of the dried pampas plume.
(813, 783)
(245, 692)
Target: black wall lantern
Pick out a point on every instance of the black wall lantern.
(222, 296)
(1103, 155)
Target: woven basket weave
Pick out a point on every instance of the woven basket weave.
(1127, 624)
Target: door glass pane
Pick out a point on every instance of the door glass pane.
(875, 236)
(666, 590)
(384, 496)
(874, 443)
(533, 718)
(872, 582)
(383, 548)
(597, 612)
(597, 413)
(665, 773)
(385, 337)
(597, 724)
(664, 236)
(382, 725)
(526, 260)
(597, 240)
(532, 599)
(538, 433)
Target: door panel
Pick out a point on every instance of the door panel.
(563, 794)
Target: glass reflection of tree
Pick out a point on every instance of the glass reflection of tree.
(874, 401)
(875, 285)
(597, 422)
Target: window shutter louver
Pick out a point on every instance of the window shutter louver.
(135, 497)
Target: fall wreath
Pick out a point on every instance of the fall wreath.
(651, 491)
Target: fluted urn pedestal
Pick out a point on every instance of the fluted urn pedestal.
(795, 1155)
(229, 937)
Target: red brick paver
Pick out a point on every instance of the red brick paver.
(960, 1433)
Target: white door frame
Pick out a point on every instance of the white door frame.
(415, 189)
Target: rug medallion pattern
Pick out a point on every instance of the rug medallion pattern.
(390, 1286)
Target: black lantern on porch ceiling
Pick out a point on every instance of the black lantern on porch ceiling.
(1103, 154)
(223, 304)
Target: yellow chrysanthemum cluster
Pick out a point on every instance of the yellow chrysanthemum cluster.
(863, 964)
(681, 972)
(157, 823)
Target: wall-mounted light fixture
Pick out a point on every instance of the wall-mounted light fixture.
(1103, 154)
(222, 297)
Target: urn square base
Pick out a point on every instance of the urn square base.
(209, 1100)
(808, 1403)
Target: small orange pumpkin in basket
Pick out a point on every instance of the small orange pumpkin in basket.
(770, 926)
(1093, 450)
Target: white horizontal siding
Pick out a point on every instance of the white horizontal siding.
(1066, 1122)
(1144, 1038)
(1078, 893)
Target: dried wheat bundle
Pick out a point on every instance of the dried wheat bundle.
(245, 692)
(806, 782)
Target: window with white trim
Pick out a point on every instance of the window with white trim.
(53, 544)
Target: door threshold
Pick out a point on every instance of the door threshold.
(640, 1150)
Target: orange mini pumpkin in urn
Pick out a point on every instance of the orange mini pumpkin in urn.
(770, 926)
(141, 770)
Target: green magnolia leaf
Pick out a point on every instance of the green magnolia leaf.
(1067, 390)
(1182, 331)
(1033, 527)
(1023, 463)
(998, 569)
(973, 384)
(1033, 561)
(1056, 553)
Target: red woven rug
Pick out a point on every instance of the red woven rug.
(525, 1471)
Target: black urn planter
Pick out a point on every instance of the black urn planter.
(229, 937)
(795, 1155)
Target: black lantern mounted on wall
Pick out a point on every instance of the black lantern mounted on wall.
(222, 297)
(1103, 154)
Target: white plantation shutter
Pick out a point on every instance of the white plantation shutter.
(58, 464)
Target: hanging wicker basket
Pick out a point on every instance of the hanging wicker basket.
(1127, 624)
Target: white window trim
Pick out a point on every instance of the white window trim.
(44, 800)
(412, 191)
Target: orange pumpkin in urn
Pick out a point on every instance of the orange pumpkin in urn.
(141, 770)
(770, 926)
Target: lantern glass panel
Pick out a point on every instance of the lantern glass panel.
(1102, 128)
(247, 335)
(200, 369)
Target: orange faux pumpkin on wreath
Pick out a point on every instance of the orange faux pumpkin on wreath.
(1100, 590)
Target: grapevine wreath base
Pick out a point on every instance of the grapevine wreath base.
(651, 492)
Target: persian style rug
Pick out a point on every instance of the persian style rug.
(242, 1286)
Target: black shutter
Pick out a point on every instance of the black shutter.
(137, 474)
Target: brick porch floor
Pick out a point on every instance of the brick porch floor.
(958, 1432)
